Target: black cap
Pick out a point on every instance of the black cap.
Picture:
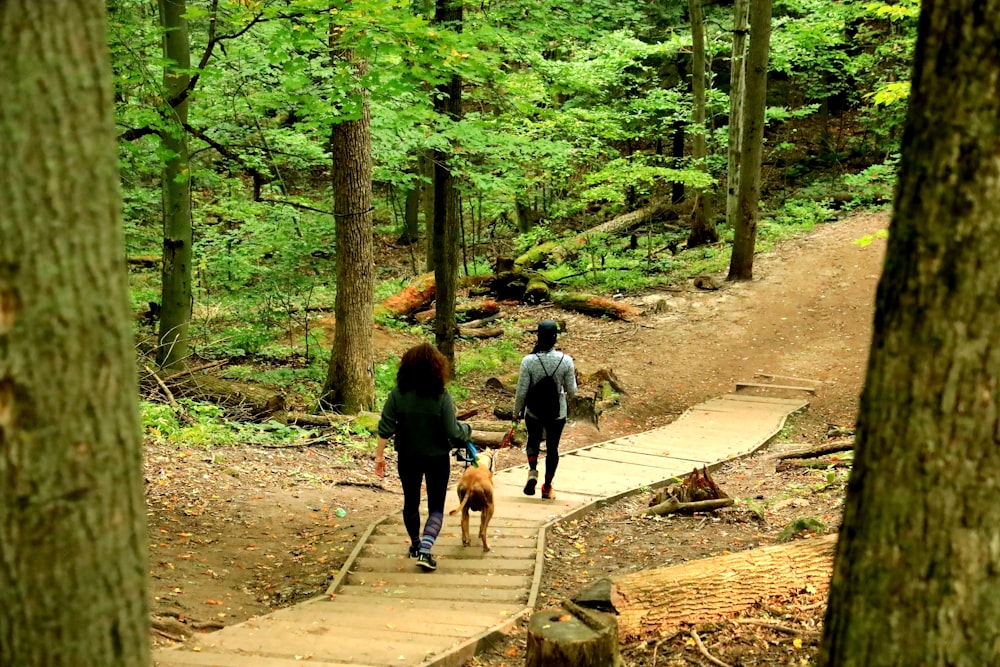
(548, 326)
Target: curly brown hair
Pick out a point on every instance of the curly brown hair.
(423, 369)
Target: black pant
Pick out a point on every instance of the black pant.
(413, 469)
(552, 431)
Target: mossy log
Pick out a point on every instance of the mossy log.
(597, 306)
(468, 310)
(537, 290)
(244, 399)
(658, 602)
(466, 332)
(560, 251)
(575, 638)
(417, 295)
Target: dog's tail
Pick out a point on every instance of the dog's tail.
(461, 505)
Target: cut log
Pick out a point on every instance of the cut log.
(494, 440)
(415, 296)
(253, 401)
(598, 306)
(480, 333)
(481, 322)
(576, 638)
(677, 507)
(505, 384)
(651, 603)
(487, 308)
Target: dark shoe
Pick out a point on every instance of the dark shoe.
(412, 552)
(529, 488)
(547, 492)
(426, 561)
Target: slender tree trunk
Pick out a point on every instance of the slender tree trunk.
(741, 263)
(73, 547)
(703, 219)
(737, 89)
(350, 380)
(427, 204)
(446, 229)
(917, 570)
(175, 309)
(411, 210)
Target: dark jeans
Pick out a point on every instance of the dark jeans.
(550, 432)
(413, 469)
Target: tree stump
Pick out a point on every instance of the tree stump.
(583, 638)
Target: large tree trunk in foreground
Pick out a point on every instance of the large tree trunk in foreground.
(918, 567)
(73, 548)
(745, 232)
(656, 602)
(350, 378)
(175, 300)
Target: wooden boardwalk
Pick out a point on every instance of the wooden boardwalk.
(383, 610)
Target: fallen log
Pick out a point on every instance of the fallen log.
(494, 440)
(651, 603)
(560, 251)
(487, 308)
(479, 333)
(255, 402)
(597, 306)
(417, 295)
(537, 289)
(822, 450)
(505, 384)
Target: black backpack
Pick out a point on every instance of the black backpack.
(543, 396)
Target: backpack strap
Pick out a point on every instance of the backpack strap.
(544, 369)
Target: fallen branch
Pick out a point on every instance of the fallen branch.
(677, 507)
(790, 464)
(704, 651)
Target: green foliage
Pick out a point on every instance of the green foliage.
(495, 356)
(801, 527)
(203, 425)
(873, 186)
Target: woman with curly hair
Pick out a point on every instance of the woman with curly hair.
(420, 415)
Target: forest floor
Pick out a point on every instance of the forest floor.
(236, 532)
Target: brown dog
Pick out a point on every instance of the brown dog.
(475, 491)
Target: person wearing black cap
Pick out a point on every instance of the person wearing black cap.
(543, 361)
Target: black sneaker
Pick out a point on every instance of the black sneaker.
(412, 552)
(529, 488)
(426, 561)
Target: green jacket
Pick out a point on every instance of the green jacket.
(423, 426)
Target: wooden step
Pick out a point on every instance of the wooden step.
(761, 385)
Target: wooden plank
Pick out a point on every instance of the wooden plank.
(640, 457)
(445, 564)
(390, 579)
(346, 646)
(764, 385)
(421, 592)
(473, 552)
(181, 658)
(444, 611)
(452, 536)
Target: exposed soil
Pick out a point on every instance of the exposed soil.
(238, 531)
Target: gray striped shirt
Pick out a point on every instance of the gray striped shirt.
(557, 364)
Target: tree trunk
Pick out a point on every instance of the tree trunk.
(350, 379)
(427, 204)
(657, 602)
(918, 568)
(175, 302)
(597, 306)
(73, 547)
(447, 103)
(737, 89)
(702, 219)
(411, 209)
(745, 238)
